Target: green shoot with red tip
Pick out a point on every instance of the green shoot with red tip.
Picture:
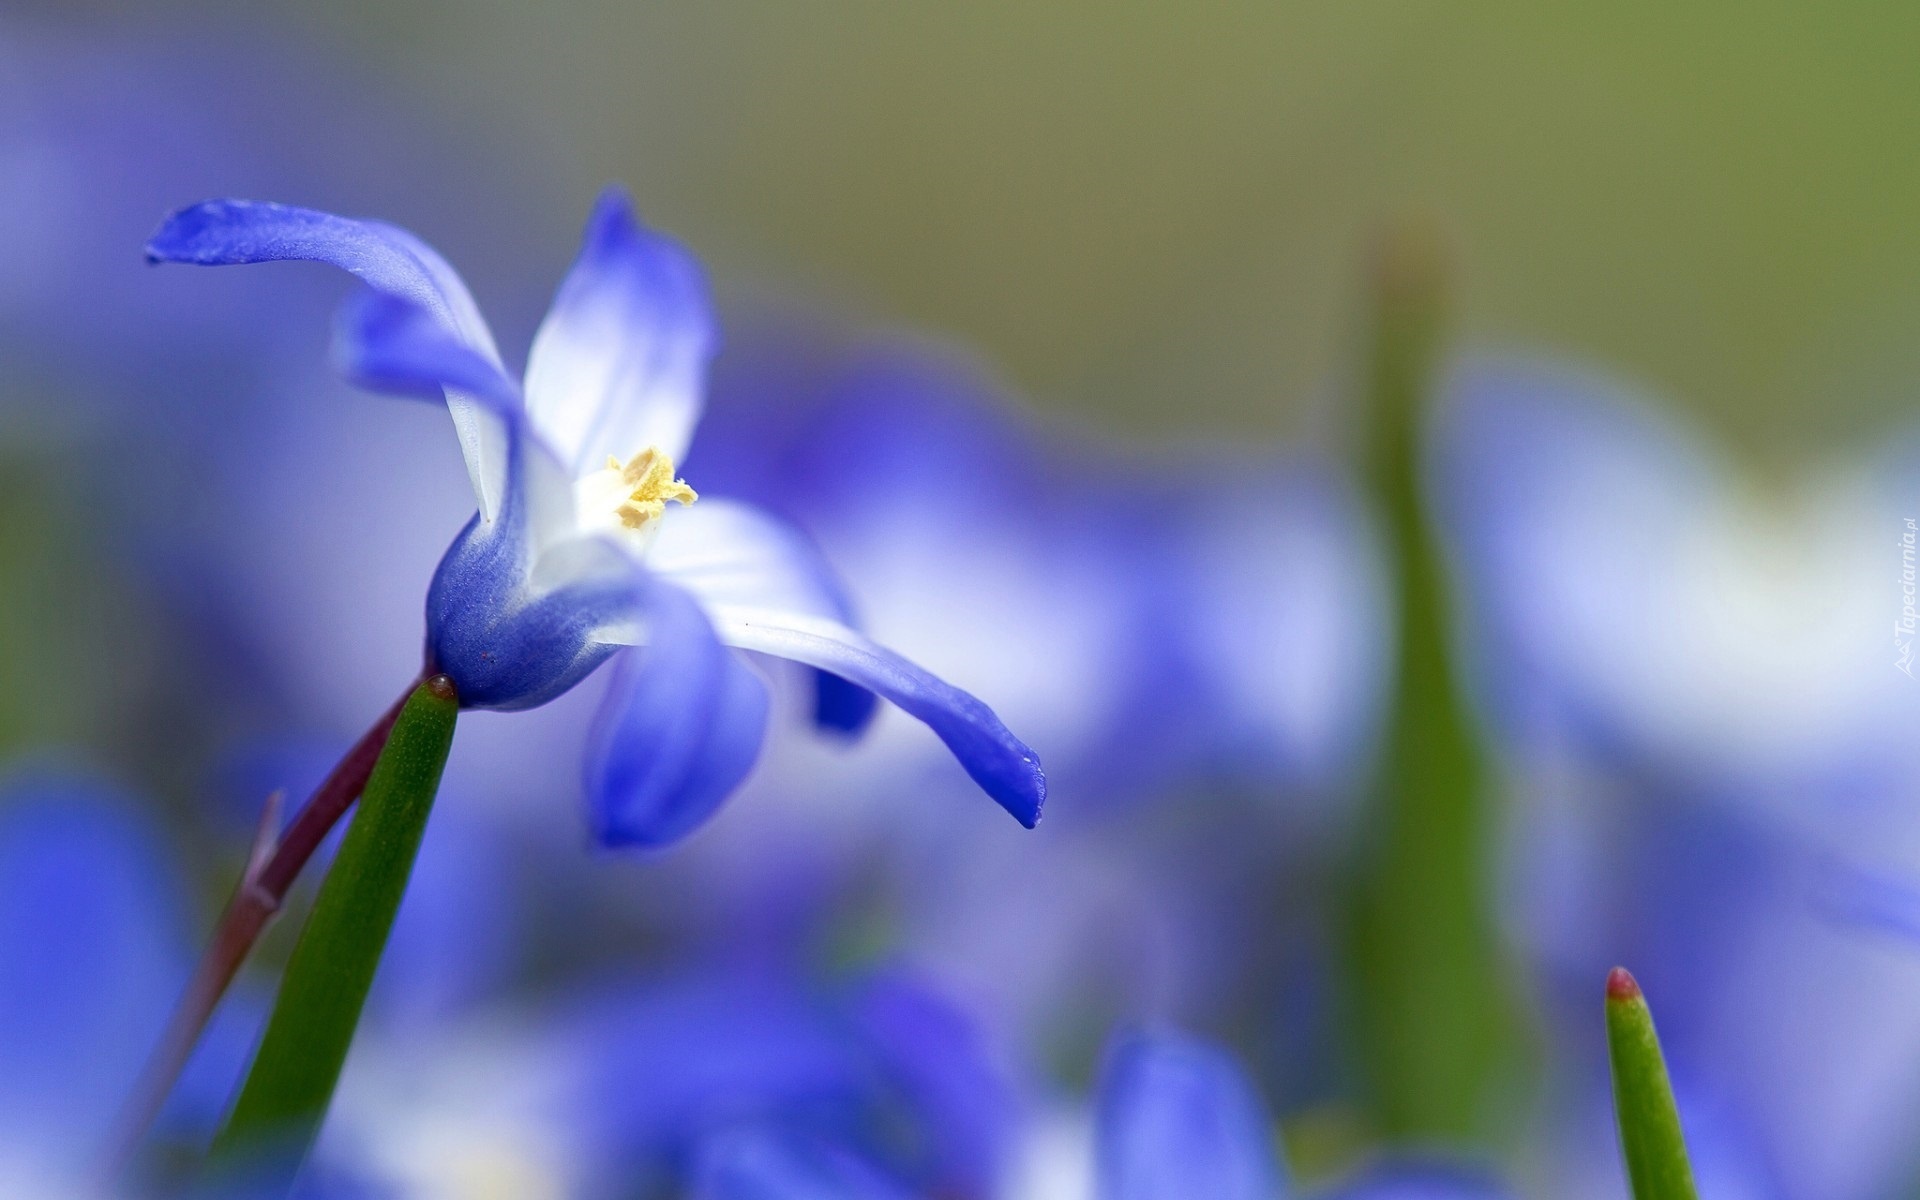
(1651, 1142)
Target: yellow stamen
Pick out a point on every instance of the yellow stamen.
(649, 482)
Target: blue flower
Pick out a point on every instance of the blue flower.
(1174, 1116)
(92, 948)
(1177, 1117)
(587, 542)
(1641, 599)
(886, 1070)
(1279, 610)
(758, 1163)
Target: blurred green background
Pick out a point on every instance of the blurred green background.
(1155, 213)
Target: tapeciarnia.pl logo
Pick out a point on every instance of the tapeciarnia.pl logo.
(1903, 629)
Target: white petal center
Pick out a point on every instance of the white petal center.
(628, 499)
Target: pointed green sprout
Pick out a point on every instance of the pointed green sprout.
(1648, 1120)
(287, 1092)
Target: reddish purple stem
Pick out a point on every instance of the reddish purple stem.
(262, 890)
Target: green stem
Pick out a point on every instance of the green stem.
(294, 1072)
(1650, 1139)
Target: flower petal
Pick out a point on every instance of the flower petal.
(717, 1045)
(1633, 593)
(733, 554)
(229, 232)
(387, 343)
(678, 731)
(514, 618)
(1178, 1118)
(1000, 763)
(620, 362)
(1276, 599)
(388, 258)
(729, 553)
(940, 1060)
(760, 1163)
(841, 706)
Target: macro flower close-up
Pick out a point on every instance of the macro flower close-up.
(1412, 513)
(573, 553)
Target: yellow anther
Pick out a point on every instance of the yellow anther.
(648, 480)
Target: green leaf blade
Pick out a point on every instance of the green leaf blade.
(291, 1083)
(1443, 1038)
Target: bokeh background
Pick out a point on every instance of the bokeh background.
(1126, 231)
(1120, 204)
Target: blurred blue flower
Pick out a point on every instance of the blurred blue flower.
(885, 1068)
(1638, 597)
(739, 1083)
(92, 949)
(978, 544)
(1174, 1116)
(90, 926)
(548, 579)
(1178, 1117)
(764, 1164)
(1204, 683)
(1240, 625)
(94, 915)
(1698, 693)
(1788, 1033)
(634, 1086)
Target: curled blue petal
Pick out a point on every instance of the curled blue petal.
(680, 728)
(236, 232)
(758, 1163)
(388, 343)
(620, 362)
(1177, 1117)
(1004, 767)
(385, 257)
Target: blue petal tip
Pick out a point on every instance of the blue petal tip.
(1027, 802)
